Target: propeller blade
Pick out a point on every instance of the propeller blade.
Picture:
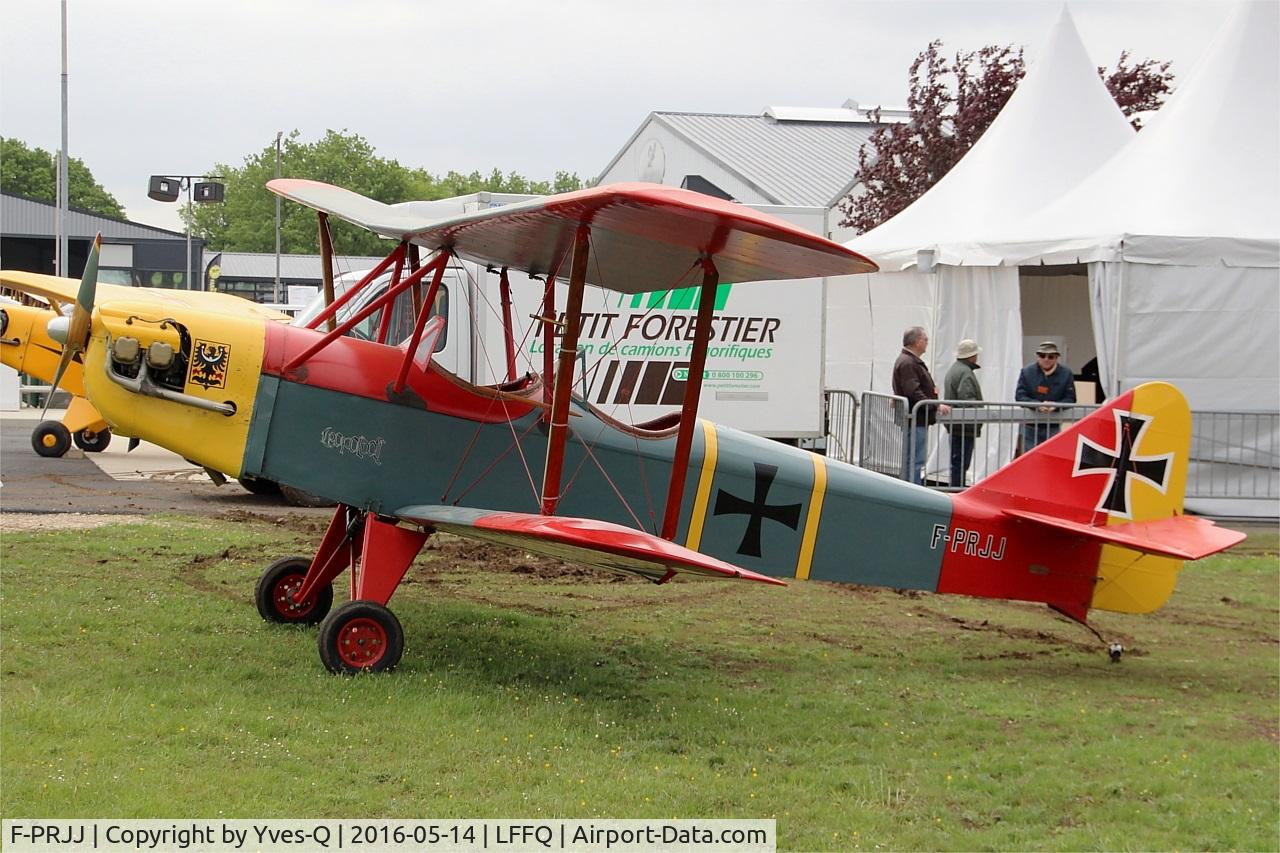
(67, 355)
(78, 334)
(80, 325)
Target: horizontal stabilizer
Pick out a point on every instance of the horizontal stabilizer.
(579, 540)
(1183, 537)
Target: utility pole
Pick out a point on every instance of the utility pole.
(277, 298)
(63, 192)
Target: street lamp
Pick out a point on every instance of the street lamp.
(201, 189)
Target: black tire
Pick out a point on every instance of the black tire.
(90, 441)
(50, 439)
(297, 497)
(276, 586)
(360, 636)
(259, 486)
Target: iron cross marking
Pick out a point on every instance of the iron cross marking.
(757, 509)
(1122, 464)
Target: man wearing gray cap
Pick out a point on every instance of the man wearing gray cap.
(1045, 380)
(961, 383)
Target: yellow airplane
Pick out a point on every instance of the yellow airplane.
(25, 345)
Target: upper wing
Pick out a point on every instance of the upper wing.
(62, 291)
(643, 236)
(53, 289)
(581, 540)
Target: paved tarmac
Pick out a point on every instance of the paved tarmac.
(146, 481)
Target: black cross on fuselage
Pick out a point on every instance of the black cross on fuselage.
(727, 504)
(1122, 463)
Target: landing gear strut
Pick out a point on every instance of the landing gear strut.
(361, 635)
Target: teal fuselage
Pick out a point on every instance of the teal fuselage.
(752, 502)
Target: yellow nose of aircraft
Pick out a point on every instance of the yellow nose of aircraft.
(183, 375)
(178, 368)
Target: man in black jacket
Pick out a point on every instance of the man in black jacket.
(911, 379)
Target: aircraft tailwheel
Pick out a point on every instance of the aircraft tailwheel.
(277, 586)
(50, 439)
(361, 636)
(92, 441)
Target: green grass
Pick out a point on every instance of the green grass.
(138, 681)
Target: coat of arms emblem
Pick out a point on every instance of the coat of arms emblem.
(209, 364)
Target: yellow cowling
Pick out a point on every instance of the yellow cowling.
(208, 438)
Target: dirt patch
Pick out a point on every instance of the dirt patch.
(1264, 729)
(25, 522)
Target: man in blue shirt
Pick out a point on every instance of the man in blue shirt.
(1046, 380)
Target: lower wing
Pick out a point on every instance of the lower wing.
(580, 540)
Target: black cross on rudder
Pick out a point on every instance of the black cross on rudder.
(1122, 463)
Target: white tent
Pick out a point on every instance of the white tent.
(1057, 128)
(1181, 232)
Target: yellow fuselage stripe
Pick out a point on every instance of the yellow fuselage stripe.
(815, 514)
(703, 496)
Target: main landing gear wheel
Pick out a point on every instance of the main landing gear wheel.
(50, 439)
(361, 636)
(276, 588)
(259, 486)
(92, 441)
(297, 497)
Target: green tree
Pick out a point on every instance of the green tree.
(33, 172)
(952, 103)
(245, 222)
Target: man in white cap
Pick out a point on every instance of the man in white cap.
(1045, 380)
(961, 383)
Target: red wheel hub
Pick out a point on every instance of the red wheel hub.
(283, 597)
(362, 643)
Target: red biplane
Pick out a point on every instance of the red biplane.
(1090, 519)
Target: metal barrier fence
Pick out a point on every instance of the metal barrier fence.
(1234, 455)
(881, 432)
(841, 421)
(991, 433)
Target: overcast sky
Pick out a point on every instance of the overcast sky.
(174, 87)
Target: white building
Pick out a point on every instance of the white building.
(785, 157)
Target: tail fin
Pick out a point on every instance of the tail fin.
(1117, 477)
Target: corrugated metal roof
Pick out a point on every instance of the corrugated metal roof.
(804, 163)
(28, 217)
(253, 265)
